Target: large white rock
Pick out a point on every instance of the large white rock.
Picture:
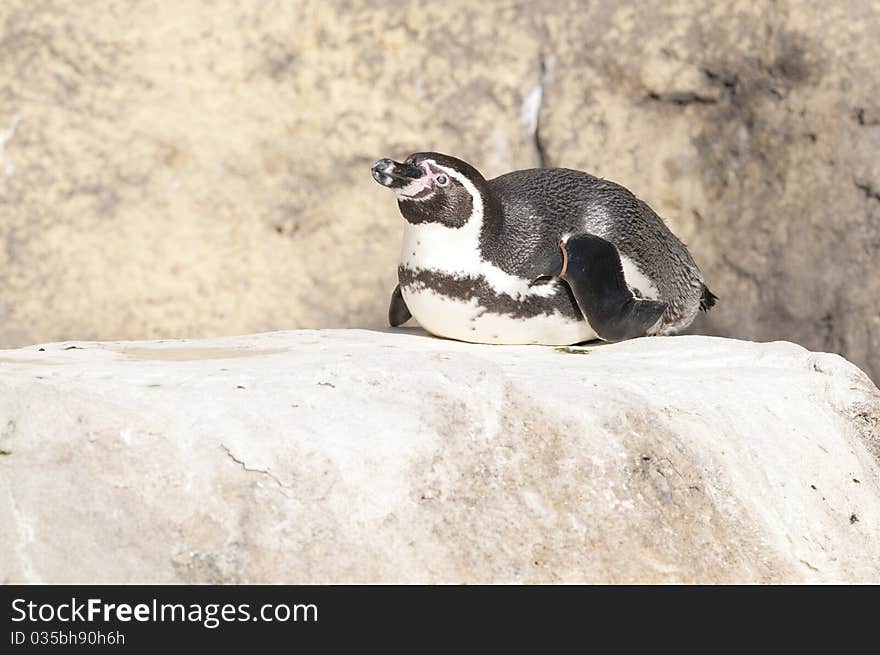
(366, 456)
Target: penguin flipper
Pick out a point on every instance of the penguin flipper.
(398, 312)
(592, 268)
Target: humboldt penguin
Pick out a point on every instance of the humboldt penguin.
(540, 256)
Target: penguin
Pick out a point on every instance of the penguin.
(540, 256)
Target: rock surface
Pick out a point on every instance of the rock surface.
(368, 456)
(212, 158)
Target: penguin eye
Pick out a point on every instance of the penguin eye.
(442, 180)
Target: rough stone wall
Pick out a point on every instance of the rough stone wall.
(201, 168)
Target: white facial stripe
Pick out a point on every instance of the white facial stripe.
(456, 251)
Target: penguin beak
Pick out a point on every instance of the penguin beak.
(395, 175)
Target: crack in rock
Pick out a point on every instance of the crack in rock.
(532, 105)
(682, 98)
(729, 81)
(281, 486)
(871, 192)
(867, 118)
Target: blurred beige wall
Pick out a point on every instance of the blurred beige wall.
(197, 168)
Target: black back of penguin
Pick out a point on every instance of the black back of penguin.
(536, 207)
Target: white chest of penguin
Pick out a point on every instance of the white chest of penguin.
(452, 292)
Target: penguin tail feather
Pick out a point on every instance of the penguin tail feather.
(707, 300)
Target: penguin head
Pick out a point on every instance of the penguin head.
(433, 188)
